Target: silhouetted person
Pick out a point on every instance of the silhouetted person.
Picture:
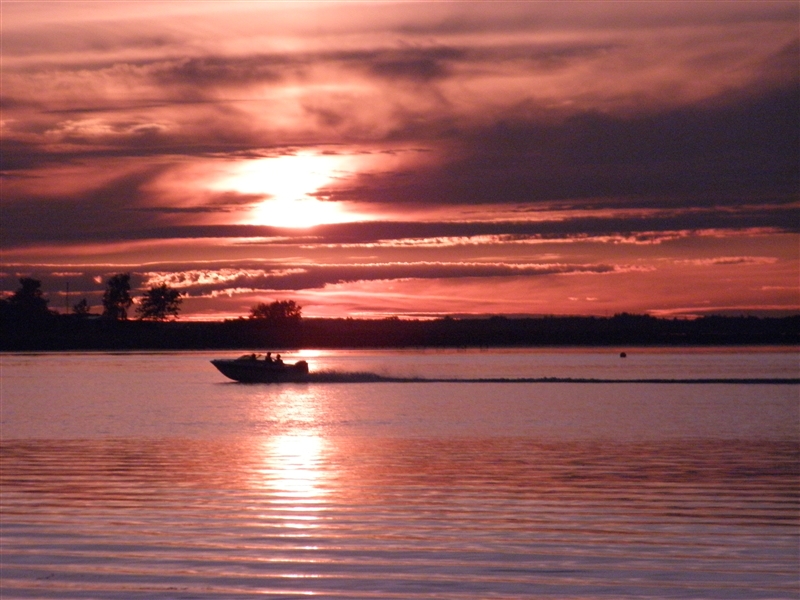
(278, 360)
(268, 357)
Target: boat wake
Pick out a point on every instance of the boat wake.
(368, 377)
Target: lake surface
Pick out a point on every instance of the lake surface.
(151, 476)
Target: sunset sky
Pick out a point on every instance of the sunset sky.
(369, 159)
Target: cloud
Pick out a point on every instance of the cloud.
(247, 282)
(293, 278)
(221, 278)
(723, 153)
(730, 260)
(119, 211)
(210, 72)
(102, 211)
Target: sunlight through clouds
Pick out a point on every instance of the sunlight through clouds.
(289, 184)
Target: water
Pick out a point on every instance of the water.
(151, 476)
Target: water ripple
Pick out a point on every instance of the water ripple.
(383, 518)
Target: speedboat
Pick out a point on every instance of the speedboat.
(252, 369)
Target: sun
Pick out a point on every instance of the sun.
(298, 213)
(288, 184)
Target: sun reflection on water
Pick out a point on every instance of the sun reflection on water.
(294, 468)
(291, 462)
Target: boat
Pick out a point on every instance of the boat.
(253, 369)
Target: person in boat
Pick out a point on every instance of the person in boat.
(279, 360)
(268, 357)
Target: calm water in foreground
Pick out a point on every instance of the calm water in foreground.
(151, 476)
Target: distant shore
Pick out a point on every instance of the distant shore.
(61, 332)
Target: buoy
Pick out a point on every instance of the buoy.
(622, 355)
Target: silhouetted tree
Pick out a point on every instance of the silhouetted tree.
(117, 297)
(159, 303)
(279, 311)
(81, 309)
(28, 302)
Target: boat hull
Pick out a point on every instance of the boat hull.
(257, 371)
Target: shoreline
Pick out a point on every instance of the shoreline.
(69, 333)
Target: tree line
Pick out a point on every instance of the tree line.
(158, 303)
(26, 324)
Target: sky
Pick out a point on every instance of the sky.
(411, 159)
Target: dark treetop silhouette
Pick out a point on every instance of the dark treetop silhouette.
(117, 297)
(159, 303)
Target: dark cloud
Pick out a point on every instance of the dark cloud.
(727, 152)
(222, 202)
(219, 71)
(98, 214)
(419, 64)
(722, 151)
(127, 106)
(781, 219)
(230, 137)
(108, 218)
(253, 276)
(509, 17)
(422, 69)
(427, 64)
(10, 102)
(68, 38)
(20, 156)
(215, 71)
(198, 79)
